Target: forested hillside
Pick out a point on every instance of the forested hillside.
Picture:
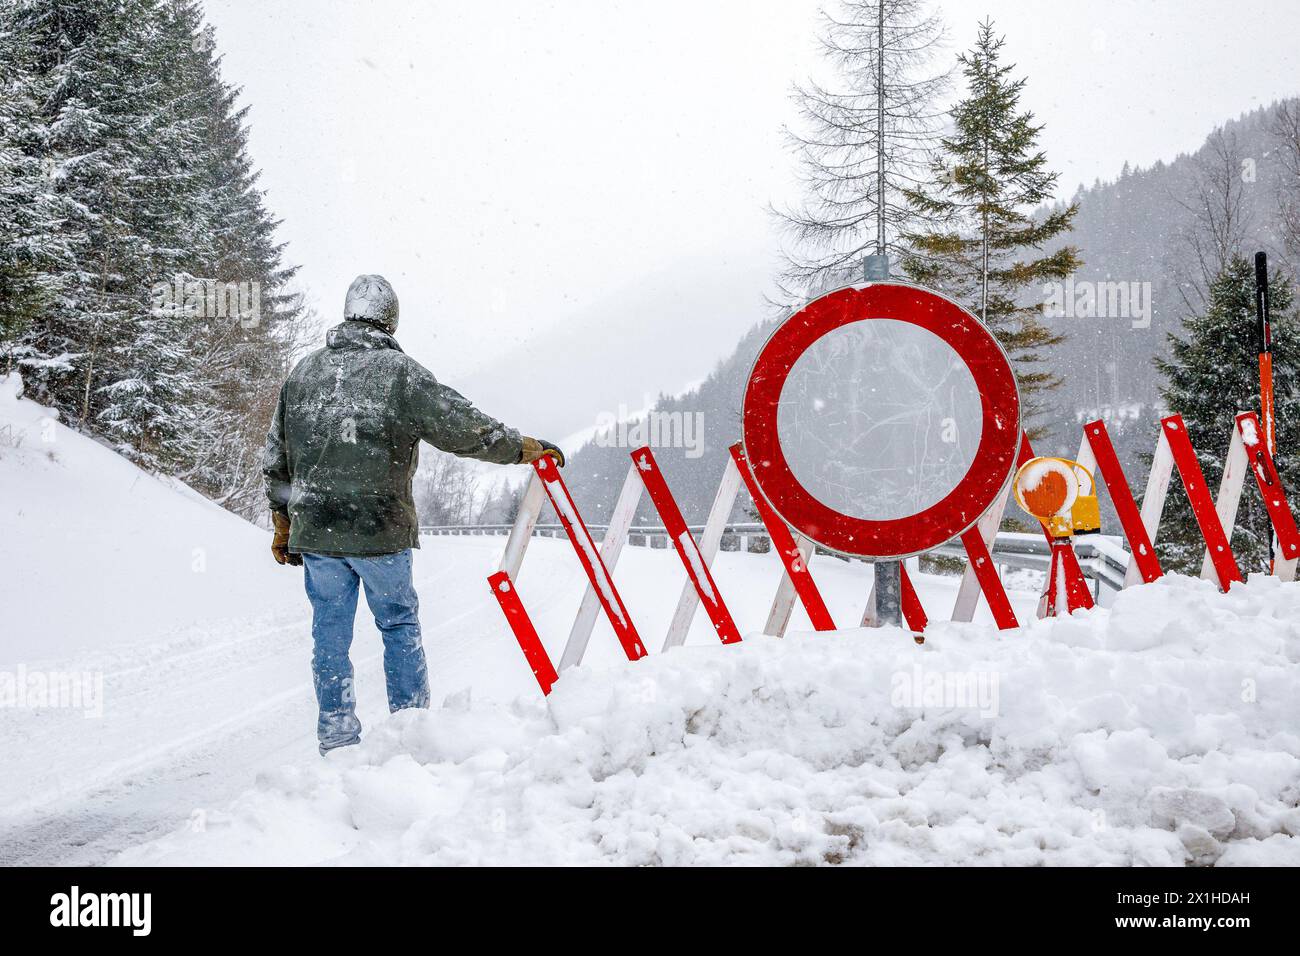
(1160, 226)
(142, 290)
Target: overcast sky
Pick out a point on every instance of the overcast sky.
(563, 184)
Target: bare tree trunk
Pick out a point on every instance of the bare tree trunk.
(1286, 130)
(1219, 218)
(94, 339)
(90, 373)
(880, 130)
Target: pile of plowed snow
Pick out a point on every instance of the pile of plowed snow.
(1164, 731)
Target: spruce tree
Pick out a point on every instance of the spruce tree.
(1212, 373)
(87, 72)
(154, 401)
(244, 360)
(30, 247)
(988, 179)
(145, 183)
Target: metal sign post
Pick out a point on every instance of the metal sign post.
(885, 606)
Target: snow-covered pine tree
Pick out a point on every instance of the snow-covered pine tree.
(156, 406)
(151, 187)
(30, 246)
(988, 178)
(244, 361)
(864, 144)
(1212, 374)
(85, 71)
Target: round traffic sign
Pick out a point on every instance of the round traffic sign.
(881, 420)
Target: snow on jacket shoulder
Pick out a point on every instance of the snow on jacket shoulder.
(344, 443)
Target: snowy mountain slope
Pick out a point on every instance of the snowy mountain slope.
(98, 552)
(1134, 229)
(1159, 732)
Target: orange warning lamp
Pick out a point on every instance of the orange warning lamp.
(1051, 489)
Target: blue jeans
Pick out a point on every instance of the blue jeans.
(332, 587)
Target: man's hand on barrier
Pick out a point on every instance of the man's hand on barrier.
(535, 448)
(280, 543)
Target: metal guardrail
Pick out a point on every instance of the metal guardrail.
(741, 536)
(1102, 558)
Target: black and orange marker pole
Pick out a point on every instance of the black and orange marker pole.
(1264, 337)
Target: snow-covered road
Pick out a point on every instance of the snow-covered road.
(190, 719)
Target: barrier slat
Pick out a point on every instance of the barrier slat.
(503, 589)
(978, 542)
(589, 557)
(1198, 495)
(530, 507)
(684, 543)
(913, 613)
(611, 547)
(1130, 519)
(1269, 483)
(1153, 499)
(784, 544)
(1231, 484)
(1073, 596)
(710, 542)
(986, 573)
(778, 615)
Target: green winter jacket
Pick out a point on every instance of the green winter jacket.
(344, 443)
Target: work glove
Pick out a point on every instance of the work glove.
(280, 543)
(535, 448)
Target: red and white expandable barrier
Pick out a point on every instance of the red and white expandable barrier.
(1215, 516)
(1248, 452)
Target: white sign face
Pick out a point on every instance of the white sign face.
(880, 419)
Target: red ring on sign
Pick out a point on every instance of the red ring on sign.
(955, 512)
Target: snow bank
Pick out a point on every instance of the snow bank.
(98, 552)
(1163, 731)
